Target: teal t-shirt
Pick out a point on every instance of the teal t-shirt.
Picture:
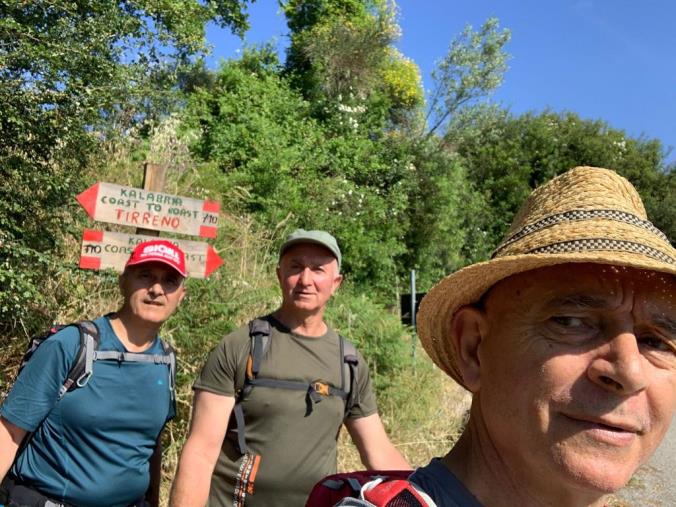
(91, 448)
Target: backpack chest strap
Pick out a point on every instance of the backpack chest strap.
(317, 387)
(131, 357)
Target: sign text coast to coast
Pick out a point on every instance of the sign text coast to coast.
(108, 202)
(103, 249)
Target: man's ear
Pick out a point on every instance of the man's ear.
(469, 329)
(337, 280)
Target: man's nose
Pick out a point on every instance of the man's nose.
(620, 366)
(305, 276)
(156, 287)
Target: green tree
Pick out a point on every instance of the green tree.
(444, 214)
(446, 228)
(507, 156)
(66, 70)
(473, 67)
(290, 169)
(342, 60)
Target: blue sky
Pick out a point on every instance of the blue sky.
(613, 60)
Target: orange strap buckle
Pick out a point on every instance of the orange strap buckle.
(321, 387)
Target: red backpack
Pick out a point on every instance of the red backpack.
(394, 490)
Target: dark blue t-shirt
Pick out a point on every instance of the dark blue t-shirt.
(442, 486)
(94, 446)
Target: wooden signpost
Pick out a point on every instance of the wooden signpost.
(116, 204)
(148, 210)
(105, 249)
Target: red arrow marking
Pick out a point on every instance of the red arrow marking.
(211, 206)
(90, 262)
(207, 231)
(87, 199)
(213, 261)
(92, 235)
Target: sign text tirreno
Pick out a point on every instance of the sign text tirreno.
(108, 202)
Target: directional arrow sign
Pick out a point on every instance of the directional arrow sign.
(103, 249)
(135, 207)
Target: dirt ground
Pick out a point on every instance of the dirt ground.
(654, 485)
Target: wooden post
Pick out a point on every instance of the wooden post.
(153, 181)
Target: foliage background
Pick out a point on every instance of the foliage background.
(339, 135)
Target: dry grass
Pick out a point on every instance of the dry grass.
(423, 413)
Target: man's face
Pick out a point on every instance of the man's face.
(308, 276)
(578, 372)
(152, 291)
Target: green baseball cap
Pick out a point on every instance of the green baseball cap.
(322, 238)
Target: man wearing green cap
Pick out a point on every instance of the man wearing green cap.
(290, 382)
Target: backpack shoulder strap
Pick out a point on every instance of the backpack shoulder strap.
(259, 334)
(81, 370)
(81, 367)
(349, 372)
(171, 354)
(259, 337)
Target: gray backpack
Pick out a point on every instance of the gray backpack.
(259, 334)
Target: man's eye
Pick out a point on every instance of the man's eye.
(656, 343)
(567, 322)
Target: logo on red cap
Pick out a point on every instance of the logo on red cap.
(159, 251)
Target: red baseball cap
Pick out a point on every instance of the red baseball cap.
(159, 250)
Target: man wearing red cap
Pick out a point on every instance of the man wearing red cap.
(98, 444)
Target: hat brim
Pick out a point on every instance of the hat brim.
(467, 285)
(160, 261)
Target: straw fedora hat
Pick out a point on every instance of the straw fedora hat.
(587, 214)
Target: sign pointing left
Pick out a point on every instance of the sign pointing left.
(136, 207)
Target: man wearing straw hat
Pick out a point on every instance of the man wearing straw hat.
(566, 339)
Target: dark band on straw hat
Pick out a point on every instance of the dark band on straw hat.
(602, 244)
(579, 214)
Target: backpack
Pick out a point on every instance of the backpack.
(389, 488)
(82, 368)
(259, 335)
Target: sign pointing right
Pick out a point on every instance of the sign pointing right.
(104, 249)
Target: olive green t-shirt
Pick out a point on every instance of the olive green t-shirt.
(297, 445)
